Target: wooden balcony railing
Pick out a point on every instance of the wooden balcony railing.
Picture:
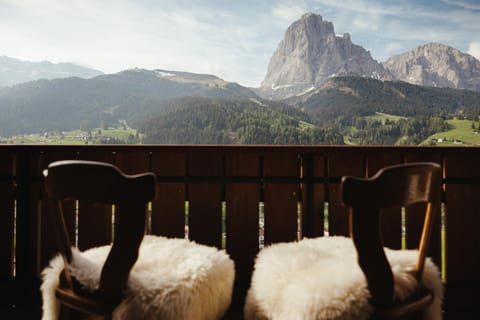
(222, 192)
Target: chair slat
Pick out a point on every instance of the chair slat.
(435, 247)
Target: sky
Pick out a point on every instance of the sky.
(232, 39)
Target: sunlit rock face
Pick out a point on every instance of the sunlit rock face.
(436, 65)
(310, 54)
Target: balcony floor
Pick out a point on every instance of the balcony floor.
(35, 312)
(24, 312)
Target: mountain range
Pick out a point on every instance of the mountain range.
(311, 53)
(436, 65)
(317, 79)
(14, 71)
(62, 104)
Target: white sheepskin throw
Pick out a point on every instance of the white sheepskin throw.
(172, 279)
(320, 279)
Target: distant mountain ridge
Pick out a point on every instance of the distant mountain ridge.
(436, 65)
(61, 104)
(14, 71)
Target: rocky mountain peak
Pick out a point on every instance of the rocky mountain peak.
(436, 65)
(310, 54)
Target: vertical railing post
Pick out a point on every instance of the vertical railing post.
(27, 233)
(6, 227)
(308, 197)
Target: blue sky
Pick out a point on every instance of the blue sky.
(231, 39)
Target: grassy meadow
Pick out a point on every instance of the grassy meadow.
(95, 136)
(460, 133)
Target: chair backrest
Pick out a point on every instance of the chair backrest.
(394, 186)
(98, 182)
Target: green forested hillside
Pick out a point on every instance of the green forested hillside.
(345, 98)
(233, 121)
(62, 104)
(349, 104)
(181, 107)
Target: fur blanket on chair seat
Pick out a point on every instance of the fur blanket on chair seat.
(320, 279)
(172, 279)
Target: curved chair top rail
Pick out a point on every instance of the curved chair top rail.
(106, 183)
(411, 183)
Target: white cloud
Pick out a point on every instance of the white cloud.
(233, 40)
(290, 12)
(366, 7)
(394, 48)
(474, 49)
(463, 4)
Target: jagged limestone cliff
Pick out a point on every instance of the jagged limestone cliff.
(310, 54)
(436, 65)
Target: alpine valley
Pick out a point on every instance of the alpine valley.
(319, 88)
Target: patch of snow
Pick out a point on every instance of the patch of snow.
(162, 74)
(281, 86)
(257, 102)
(306, 91)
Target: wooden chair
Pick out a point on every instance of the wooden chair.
(337, 278)
(137, 277)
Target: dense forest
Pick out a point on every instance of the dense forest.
(233, 121)
(346, 98)
(63, 104)
(178, 107)
(346, 103)
(411, 131)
